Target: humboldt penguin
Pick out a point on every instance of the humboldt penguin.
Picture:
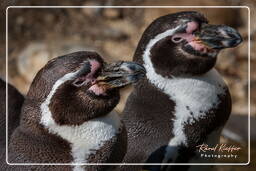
(183, 101)
(68, 117)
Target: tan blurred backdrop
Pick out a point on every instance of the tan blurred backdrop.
(37, 35)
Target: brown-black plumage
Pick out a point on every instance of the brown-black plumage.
(63, 89)
(150, 112)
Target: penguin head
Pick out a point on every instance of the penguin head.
(184, 44)
(79, 86)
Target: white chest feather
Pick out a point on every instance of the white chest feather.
(195, 94)
(86, 138)
(193, 97)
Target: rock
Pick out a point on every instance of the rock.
(244, 14)
(236, 128)
(114, 34)
(33, 57)
(20, 83)
(112, 13)
(62, 47)
(91, 12)
(242, 50)
(215, 15)
(118, 52)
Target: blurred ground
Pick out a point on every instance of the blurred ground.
(37, 35)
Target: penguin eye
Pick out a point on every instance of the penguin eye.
(177, 39)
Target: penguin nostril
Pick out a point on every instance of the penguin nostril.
(176, 39)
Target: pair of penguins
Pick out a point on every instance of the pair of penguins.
(181, 102)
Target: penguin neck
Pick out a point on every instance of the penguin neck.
(47, 119)
(86, 138)
(30, 118)
(191, 91)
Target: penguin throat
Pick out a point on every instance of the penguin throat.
(85, 139)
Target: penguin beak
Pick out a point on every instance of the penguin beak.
(218, 36)
(120, 74)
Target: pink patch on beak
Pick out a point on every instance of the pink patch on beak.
(197, 46)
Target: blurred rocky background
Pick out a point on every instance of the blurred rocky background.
(37, 35)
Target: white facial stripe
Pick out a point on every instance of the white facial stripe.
(146, 55)
(159, 37)
(199, 93)
(85, 138)
(46, 118)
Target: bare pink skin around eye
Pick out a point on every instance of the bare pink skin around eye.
(190, 38)
(95, 65)
(191, 26)
(197, 46)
